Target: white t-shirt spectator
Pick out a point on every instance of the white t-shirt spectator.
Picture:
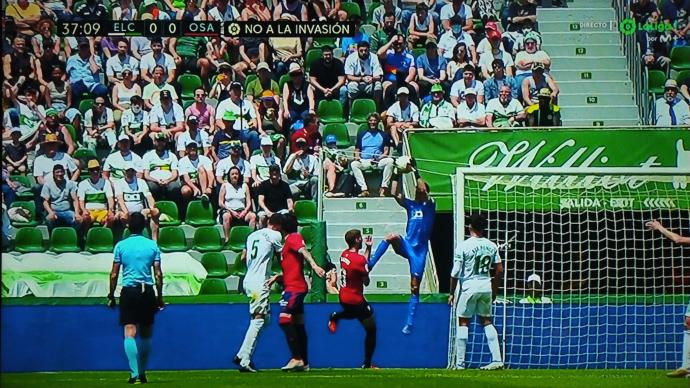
(242, 110)
(152, 92)
(224, 165)
(484, 46)
(231, 13)
(190, 167)
(148, 63)
(495, 108)
(358, 67)
(447, 12)
(134, 194)
(662, 112)
(524, 56)
(95, 195)
(464, 112)
(448, 41)
(166, 118)
(409, 114)
(202, 140)
(114, 65)
(43, 165)
(116, 164)
(458, 88)
(106, 117)
(379, 12)
(135, 122)
(260, 164)
(486, 59)
(160, 166)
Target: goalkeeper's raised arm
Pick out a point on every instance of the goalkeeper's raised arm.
(675, 237)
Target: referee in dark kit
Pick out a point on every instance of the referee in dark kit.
(138, 303)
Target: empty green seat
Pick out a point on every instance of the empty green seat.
(306, 212)
(64, 239)
(368, 29)
(188, 84)
(351, 9)
(207, 238)
(30, 206)
(213, 287)
(238, 238)
(656, 80)
(172, 239)
(169, 208)
(72, 132)
(361, 108)
(146, 233)
(312, 56)
(320, 42)
(308, 233)
(216, 265)
(29, 240)
(85, 105)
(239, 267)
(199, 214)
(330, 112)
(339, 130)
(682, 76)
(99, 240)
(680, 58)
(283, 80)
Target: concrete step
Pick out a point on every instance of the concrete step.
(603, 122)
(577, 26)
(603, 37)
(562, 50)
(357, 218)
(388, 284)
(379, 230)
(600, 112)
(580, 87)
(584, 64)
(596, 75)
(589, 4)
(576, 14)
(567, 100)
(363, 204)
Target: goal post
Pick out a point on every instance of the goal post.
(605, 292)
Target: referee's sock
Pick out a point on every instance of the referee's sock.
(144, 351)
(380, 250)
(132, 356)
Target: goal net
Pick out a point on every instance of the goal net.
(604, 292)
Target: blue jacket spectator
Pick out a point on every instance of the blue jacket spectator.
(83, 69)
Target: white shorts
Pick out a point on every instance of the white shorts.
(474, 303)
(258, 300)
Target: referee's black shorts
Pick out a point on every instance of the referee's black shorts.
(359, 312)
(137, 305)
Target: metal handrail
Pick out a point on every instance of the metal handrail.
(633, 55)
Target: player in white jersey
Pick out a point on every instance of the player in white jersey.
(261, 246)
(684, 370)
(472, 265)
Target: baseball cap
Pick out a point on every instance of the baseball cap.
(93, 163)
(301, 140)
(51, 138)
(534, 278)
(437, 88)
(235, 145)
(224, 65)
(161, 136)
(331, 139)
(15, 130)
(470, 91)
(295, 68)
(493, 35)
(671, 84)
(192, 119)
(267, 95)
(531, 37)
(52, 112)
(266, 141)
(126, 68)
(123, 136)
(237, 85)
(165, 94)
(149, 2)
(191, 145)
(229, 116)
(403, 90)
(263, 66)
(544, 92)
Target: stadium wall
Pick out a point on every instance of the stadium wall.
(62, 338)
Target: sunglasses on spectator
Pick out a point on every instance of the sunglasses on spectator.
(99, 103)
(200, 95)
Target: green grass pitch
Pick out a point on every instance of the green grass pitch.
(349, 378)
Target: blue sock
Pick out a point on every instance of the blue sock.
(131, 352)
(380, 250)
(411, 309)
(144, 350)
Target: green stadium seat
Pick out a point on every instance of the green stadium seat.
(313, 55)
(99, 240)
(29, 240)
(64, 239)
(361, 108)
(216, 265)
(30, 206)
(682, 76)
(85, 105)
(330, 112)
(321, 42)
(656, 80)
(187, 103)
(199, 214)
(368, 29)
(308, 233)
(213, 287)
(207, 239)
(305, 211)
(146, 233)
(250, 78)
(680, 58)
(238, 238)
(351, 9)
(172, 239)
(283, 80)
(416, 52)
(24, 181)
(169, 208)
(369, 19)
(239, 267)
(72, 132)
(188, 84)
(340, 132)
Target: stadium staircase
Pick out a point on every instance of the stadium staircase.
(589, 65)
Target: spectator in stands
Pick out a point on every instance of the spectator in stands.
(26, 114)
(402, 115)
(123, 92)
(235, 203)
(115, 65)
(9, 189)
(350, 45)
(522, 18)
(399, 68)
(152, 91)
(262, 83)
(524, 60)
(496, 53)
(484, 46)
(117, 162)
(296, 8)
(654, 46)
(256, 9)
(272, 121)
(26, 15)
(286, 51)
(60, 200)
(99, 126)
(504, 111)
(302, 170)
(43, 164)
(670, 109)
(460, 59)
(251, 52)
(140, 46)
(452, 37)
(90, 10)
(438, 112)
(457, 91)
(545, 113)
(96, 198)
(677, 13)
(155, 58)
(15, 158)
(334, 163)
(459, 10)
(52, 125)
(204, 112)
(191, 12)
(493, 84)
(46, 39)
(327, 77)
(642, 10)
(421, 29)
(310, 131)
(224, 138)
(261, 162)
(133, 196)
(534, 291)
(234, 160)
(83, 69)
(167, 117)
(246, 121)
(533, 84)
(364, 74)
(196, 174)
(326, 10)
(125, 11)
(224, 12)
(372, 152)
(193, 134)
(470, 112)
(187, 52)
(379, 14)
(135, 124)
(160, 170)
(274, 196)
(298, 96)
(431, 69)
(221, 89)
(19, 69)
(58, 95)
(385, 32)
(153, 12)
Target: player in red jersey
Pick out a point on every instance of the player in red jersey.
(292, 314)
(354, 275)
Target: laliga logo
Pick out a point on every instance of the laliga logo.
(234, 29)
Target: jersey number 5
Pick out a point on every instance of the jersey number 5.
(255, 249)
(482, 265)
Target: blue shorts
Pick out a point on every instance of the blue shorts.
(292, 302)
(416, 257)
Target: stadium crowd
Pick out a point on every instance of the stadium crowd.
(107, 126)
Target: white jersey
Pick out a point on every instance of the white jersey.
(473, 260)
(261, 246)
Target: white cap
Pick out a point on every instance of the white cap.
(534, 278)
(294, 68)
(123, 136)
(403, 90)
(266, 141)
(470, 91)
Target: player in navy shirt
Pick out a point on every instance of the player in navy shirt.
(414, 246)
